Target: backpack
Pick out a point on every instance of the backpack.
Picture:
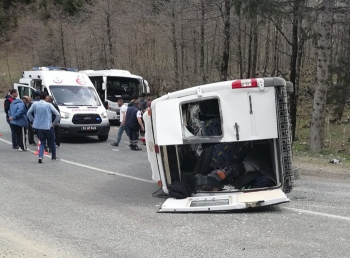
(180, 190)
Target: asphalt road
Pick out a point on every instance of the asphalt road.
(97, 202)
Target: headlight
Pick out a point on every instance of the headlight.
(104, 114)
(64, 115)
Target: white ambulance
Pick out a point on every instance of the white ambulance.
(82, 111)
(221, 146)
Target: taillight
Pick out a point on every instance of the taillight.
(246, 83)
(160, 183)
(156, 148)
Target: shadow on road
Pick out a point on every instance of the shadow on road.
(82, 139)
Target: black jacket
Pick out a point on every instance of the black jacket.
(53, 115)
(7, 104)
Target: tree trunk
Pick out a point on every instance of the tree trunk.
(226, 53)
(62, 45)
(249, 68)
(182, 50)
(293, 100)
(175, 52)
(110, 40)
(201, 62)
(255, 47)
(322, 79)
(195, 57)
(267, 49)
(240, 55)
(275, 54)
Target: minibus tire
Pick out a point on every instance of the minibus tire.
(103, 138)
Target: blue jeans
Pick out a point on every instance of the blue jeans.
(122, 128)
(13, 134)
(49, 136)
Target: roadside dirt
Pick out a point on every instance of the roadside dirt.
(320, 167)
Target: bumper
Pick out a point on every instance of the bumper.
(113, 115)
(84, 130)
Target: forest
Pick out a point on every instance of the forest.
(176, 44)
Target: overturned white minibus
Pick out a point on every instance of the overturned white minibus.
(221, 146)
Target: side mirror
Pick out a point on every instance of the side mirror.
(105, 104)
(146, 85)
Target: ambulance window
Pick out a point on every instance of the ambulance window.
(201, 118)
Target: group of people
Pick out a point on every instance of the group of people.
(131, 120)
(43, 116)
(26, 116)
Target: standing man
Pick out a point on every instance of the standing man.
(134, 123)
(28, 103)
(42, 123)
(18, 119)
(122, 128)
(133, 98)
(37, 95)
(7, 103)
(143, 102)
(49, 99)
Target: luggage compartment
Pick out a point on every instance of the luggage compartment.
(223, 167)
(244, 175)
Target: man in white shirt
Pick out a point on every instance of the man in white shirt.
(122, 128)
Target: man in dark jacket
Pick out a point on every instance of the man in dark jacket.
(134, 123)
(19, 120)
(56, 128)
(143, 102)
(28, 103)
(7, 103)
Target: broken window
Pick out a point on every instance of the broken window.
(201, 119)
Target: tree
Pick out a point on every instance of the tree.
(324, 47)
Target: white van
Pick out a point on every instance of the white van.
(114, 84)
(82, 111)
(227, 144)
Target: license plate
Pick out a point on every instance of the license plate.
(88, 128)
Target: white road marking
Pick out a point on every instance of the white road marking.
(318, 214)
(94, 168)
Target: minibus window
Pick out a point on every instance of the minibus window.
(201, 118)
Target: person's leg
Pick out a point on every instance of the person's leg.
(120, 133)
(24, 129)
(134, 139)
(51, 142)
(19, 135)
(31, 135)
(13, 135)
(126, 131)
(42, 138)
(131, 137)
(57, 136)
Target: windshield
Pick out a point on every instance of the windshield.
(120, 87)
(75, 95)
